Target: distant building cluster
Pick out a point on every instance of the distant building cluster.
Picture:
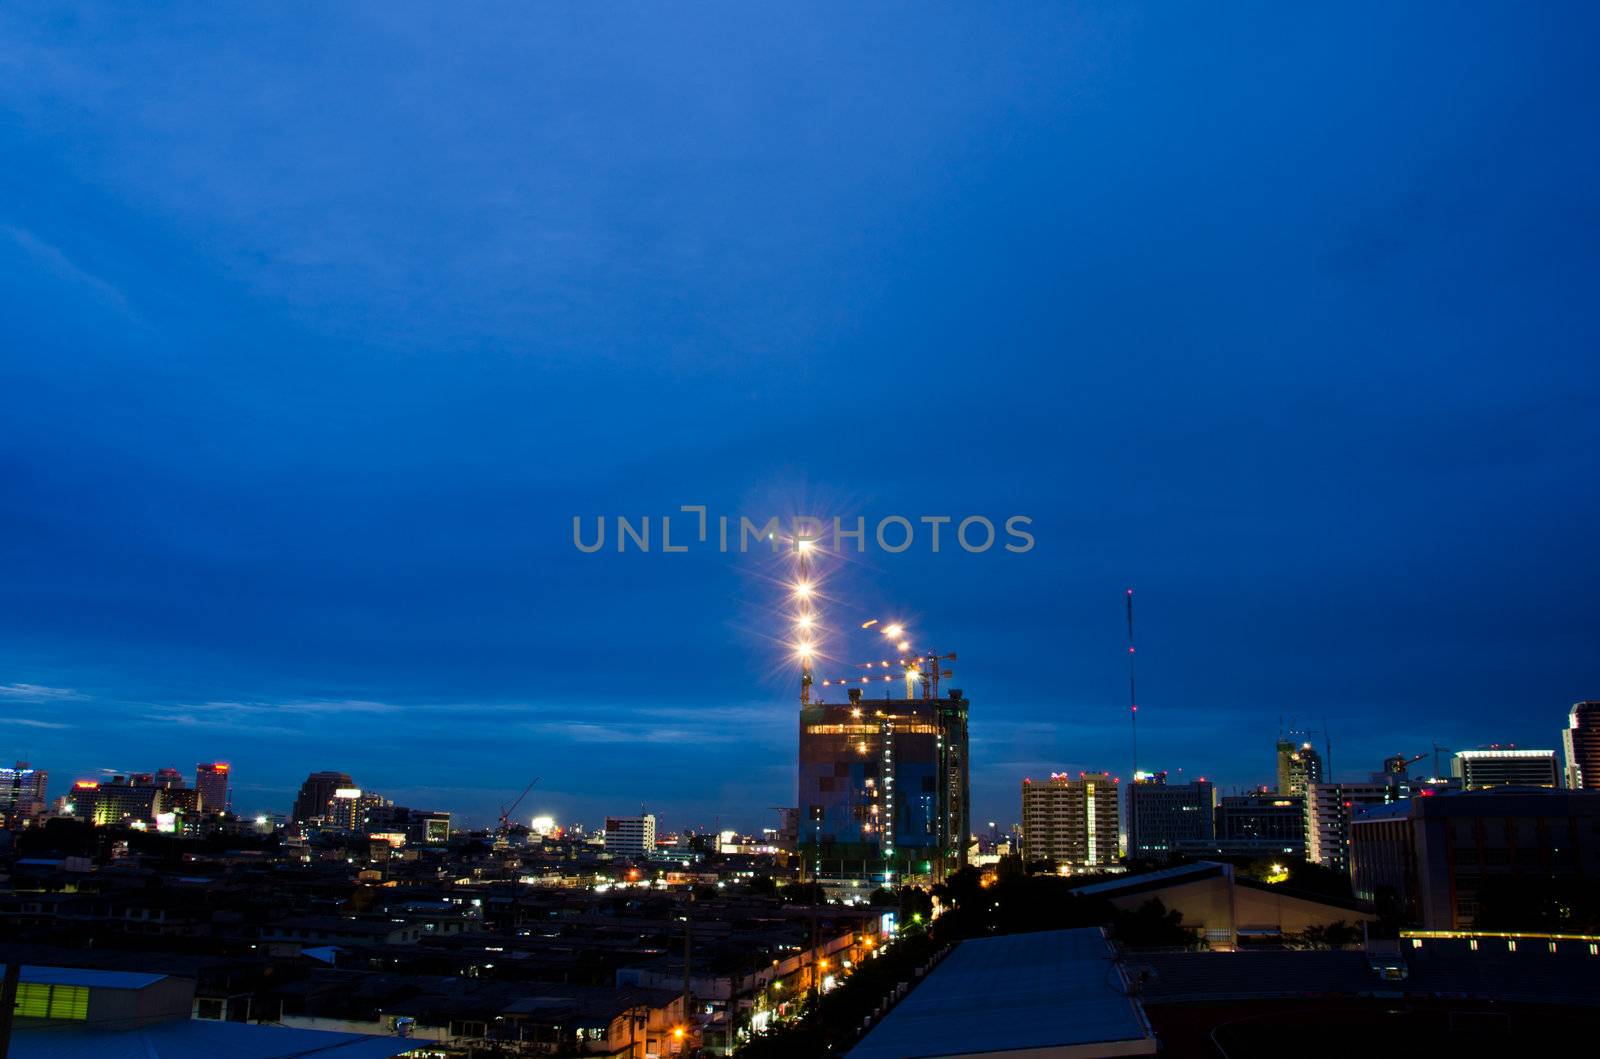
(331, 802)
(1430, 843)
(159, 801)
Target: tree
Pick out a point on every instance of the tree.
(1152, 926)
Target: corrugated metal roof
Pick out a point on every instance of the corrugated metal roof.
(1057, 992)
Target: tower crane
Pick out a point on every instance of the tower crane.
(929, 667)
(1399, 763)
(510, 807)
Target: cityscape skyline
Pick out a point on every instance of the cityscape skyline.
(561, 805)
(756, 531)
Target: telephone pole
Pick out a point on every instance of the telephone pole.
(8, 1005)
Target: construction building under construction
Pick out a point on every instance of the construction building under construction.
(883, 789)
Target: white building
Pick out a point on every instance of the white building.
(630, 835)
(1495, 767)
(1329, 809)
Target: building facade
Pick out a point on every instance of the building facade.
(211, 780)
(883, 788)
(1580, 741)
(1330, 809)
(1435, 853)
(118, 802)
(1071, 820)
(631, 836)
(1261, 823)
(22, 794)
(1299, 766)
(1162, 815)
(314, 803)
(1477, 769)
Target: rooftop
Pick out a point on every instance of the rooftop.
(91, 978)
(185, 1039)
(1055, 993)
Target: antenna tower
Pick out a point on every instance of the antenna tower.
(1133, 697)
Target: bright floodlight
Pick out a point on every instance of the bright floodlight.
(904, 645)
(803, 590)
(804, 621)
(893, 630)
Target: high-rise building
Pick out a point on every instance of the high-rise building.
(211, 780)
(1581, 742)
(1071, 820)
(22, 794)
(314, 803)
(1495, 767)
(1436, 852)
(631, 836)
(884, 788)
(1330, 808)
(169, 777)
(1299, 766)
(119, 801)
(1161, 815)
(788, 827)
(344, 810)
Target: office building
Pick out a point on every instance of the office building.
(169, 778)
(1262, 823)
(883, 788)
(211, 780)
(1435, 853)
(180, 809)
(1580, 740)
(1330, 809)
(314, 803)
(1496, 767)
(118, 802)
(351, 810)
(22, 794)
(1161, 815)
(1071, 821)
(428, 828)
(788, 827)
(631, 836)
(1299, 766)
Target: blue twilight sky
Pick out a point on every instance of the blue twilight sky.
(318, 323)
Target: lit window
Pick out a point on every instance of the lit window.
(36, 1001)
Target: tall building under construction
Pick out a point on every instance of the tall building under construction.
(884, 789)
